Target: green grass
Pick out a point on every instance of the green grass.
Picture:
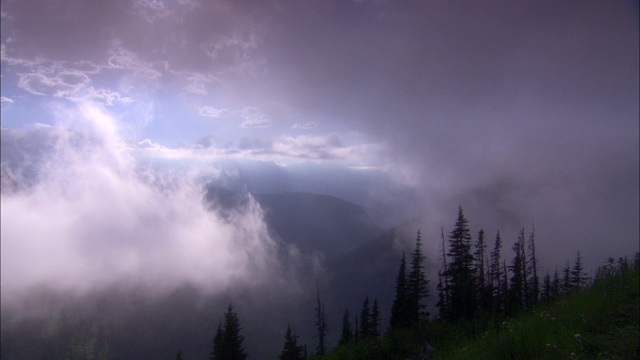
(597, 323)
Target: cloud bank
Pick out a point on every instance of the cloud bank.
(95, 218)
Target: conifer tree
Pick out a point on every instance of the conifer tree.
(495, 275)
(546, 288)
(356, 333)
(578, 277)
(516, 282)
(505, 284)
(290, 349)
(347, 333)
(443, 282)
(374, 321)
(179, 355)
(321, 323)
(442, 302)
(555, 285)
(534, 282)
(565, 286)
(481, 283)
(417, 285)
(460, 271)
(526, 292)
(399, 316)
(227, 343)
(365, 320)
(217, 351)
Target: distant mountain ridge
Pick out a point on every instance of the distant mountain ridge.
(312, 222)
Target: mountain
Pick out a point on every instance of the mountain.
(128, 322)
(314, 223)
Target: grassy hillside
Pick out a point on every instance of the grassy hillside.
(597, 322)
(600, 322)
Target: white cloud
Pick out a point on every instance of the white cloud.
(157, 5)
(211, 111)
(42, 125)
(121, 58)
(309, 147)
(95, 218)
(104, 96)
(306, 126)
(59, 84)
(253, 118)
(197, 83)
(5, 99)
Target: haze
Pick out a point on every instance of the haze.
(116, 113)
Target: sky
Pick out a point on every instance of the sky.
(520, 111)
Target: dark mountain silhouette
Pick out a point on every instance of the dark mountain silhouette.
(312, 222)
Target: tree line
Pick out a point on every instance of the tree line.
(473, 281)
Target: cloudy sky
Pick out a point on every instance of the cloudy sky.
(519, 110)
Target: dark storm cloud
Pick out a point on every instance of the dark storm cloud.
(519, 111)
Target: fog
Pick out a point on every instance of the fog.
(94, 218)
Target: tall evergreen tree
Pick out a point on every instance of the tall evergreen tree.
(442, 302)
(365, 320)
(443, 281)
(217, 351)
(578, 277)
(526, 289)
(565, 285)
(546, 289)
(374, 321)
(555, 285)
(482, 284)
(495, 275)
(227, 343)
(534, 282)
(321, 323)
(290, 349)
(356, 333)
(417, 285)
(516, 282)
(399, 318)
(460, 271)
(347, 332)
(505, 284)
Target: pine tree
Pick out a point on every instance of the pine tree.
(365, 320)
(460, 271)
(417, 286)
(565, 286)
(481, 283)
(374, 321)
(516, 284)
(495, 275)
(526, 292)
(356, 333)
(578, 277)
(534, 283)
(227, 343)
(555, 285)
(347, 332)
(442, 302)
(179, 355)
(290, 349)
(321, 323)
(399, 318)
(546, 289)
(443, 282)
(217, 351)
(505, 284)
